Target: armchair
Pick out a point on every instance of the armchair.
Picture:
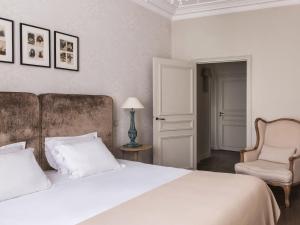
(282, 133)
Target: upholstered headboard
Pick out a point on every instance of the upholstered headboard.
(31, 118)
(70, 115)
(19, 120)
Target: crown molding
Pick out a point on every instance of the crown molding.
(209, 8)
(218, 8)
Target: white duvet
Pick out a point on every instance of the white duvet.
(70, 201)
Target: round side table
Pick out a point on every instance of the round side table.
(135, 151)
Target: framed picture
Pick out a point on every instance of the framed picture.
(6, 40)
(66, 51)
(35, 46)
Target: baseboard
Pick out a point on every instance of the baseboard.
(204, 156)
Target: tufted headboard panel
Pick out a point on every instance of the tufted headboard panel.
(19, 120)
(69, 115)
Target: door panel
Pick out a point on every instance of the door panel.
(176, 90)
(174, 113)
(230, 133)
(234, 95)
(177, 151)
(176, 125)
(232, 112)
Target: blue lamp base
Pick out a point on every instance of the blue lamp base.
(132, 132)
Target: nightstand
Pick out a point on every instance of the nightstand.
(135, 151)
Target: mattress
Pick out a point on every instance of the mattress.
(70, 202)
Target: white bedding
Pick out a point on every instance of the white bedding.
(70, 201)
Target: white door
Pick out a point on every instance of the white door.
(232, 112)
(174, 113)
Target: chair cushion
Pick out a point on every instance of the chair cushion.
(267, 171)
(274, 154)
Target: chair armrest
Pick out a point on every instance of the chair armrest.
(295, 167)
(249, 155)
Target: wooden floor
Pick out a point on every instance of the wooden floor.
(223, 161)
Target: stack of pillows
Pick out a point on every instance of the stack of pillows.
(79, 156)
(76, 157)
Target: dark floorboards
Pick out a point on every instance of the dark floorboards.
(223, 161)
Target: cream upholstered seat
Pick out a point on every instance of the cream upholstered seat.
(266, 170)
(282, 134)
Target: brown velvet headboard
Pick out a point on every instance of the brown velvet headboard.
(70, 115)
(19, 119)
(31, 118)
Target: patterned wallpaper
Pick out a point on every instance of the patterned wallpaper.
(117, 42)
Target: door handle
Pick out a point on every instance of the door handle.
(221, 114)
(157, 118)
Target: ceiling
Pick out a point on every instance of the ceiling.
(198, 8)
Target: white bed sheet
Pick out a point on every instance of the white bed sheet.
(69, 202)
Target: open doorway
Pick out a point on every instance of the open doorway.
(221, 109)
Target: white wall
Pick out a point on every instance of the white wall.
(270, 36)
(117, 42)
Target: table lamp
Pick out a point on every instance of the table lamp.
(132, 103)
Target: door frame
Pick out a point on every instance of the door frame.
(248, 60)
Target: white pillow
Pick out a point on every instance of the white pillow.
(274, 154)
(51, 142)
(20, 174)
(12, 147)
(86, 158)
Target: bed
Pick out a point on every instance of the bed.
(137, 193)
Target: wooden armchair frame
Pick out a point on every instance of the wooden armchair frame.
(254, 153)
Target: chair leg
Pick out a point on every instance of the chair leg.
(287, 191)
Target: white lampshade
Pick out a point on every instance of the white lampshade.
(132, 103)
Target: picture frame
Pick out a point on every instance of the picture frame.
(66, 51)
(7, 40)
(35, 46)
